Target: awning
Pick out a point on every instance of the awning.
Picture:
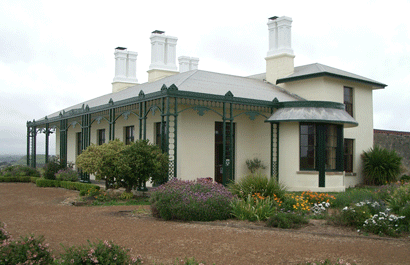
(313, 111)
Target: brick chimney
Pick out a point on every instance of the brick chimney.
(125, 69)
(163, 56)
(280, 57)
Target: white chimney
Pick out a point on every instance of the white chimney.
(187, 63)
(280, 57)
(163, 56)
(125, 69)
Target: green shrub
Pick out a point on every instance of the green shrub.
(51, 169)
(254, 208)
(286, 220)
(191, 201)
(41, 182)
(4, 235)
(354, 195)
(67, 174)
(399, 198)
(405, 211)
(254, 165)
(126, 195)
(354, 215)
(19, 171)
(28, 250)
(383, 223)
(15, 179)
(103, 252)
(380, 166)
(257, 183)
(405, 178)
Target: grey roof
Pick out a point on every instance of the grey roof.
(313, 114)
(316, 70)
(201, 82)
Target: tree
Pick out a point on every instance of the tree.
(123, 165)
(106, 162)
(146, 161)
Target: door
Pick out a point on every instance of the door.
(219, 152)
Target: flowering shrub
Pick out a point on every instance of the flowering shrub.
(67, 174)
(314, 197)
(103, 252)
(319, 208)
(295, 203)
(4, 235)
(383, 223)
(28, 250)
(254, 208)
(191, 201)
(287, 220)
(329, 262)
(354, 215)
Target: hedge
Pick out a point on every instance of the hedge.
(41, 182)
(16, 179)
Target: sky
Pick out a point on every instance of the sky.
(54, 54)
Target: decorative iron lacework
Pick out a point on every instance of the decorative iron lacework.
(275, 150)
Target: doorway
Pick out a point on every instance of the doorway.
(219, 152)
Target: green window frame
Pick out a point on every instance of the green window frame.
(348, 99)
(321, 147)
(101, 136)
(79, 141)
(348, 155)
(129, 134)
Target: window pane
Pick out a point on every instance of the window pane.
(348, 155)
(307, 146)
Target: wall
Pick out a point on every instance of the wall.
(331, 89)
(395, 140)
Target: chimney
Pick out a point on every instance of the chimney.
(187, 63)
(125, 69)
(163, 56)
(280, 57)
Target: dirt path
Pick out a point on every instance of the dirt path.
(27, 209)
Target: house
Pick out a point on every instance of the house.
(307, 124)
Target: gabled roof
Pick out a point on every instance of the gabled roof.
(200, 82)
(317, 70)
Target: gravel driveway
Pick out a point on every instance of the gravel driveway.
(27, 209)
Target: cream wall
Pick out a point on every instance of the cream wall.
(331, 89)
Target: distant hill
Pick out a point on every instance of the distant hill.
(6, 160)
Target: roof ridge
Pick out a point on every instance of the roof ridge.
(188, 76)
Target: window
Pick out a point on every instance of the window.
(101, 136)
(348, 155)
(159, 130)
(79, 137)
(320, 147)
(129, 134)
(348, 99)
(307, 146)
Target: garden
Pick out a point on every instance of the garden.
(380, 208)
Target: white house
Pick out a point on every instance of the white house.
(308, 124)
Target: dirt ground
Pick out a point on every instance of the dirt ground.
(27, 209)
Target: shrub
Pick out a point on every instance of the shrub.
(254, 208)
(405, 178)
(380, 166)
(15, 179)
(28, 250)
(20, 171)
(254, 165)
(383, 223)
(103, 252)
(41, 182)
(257, 183)
(399, 198)
(4, 235)
(286, 220)
(51, 169)
(405, 211)
(67, 174)
(297, 203)
(353, 195)
(354, 215)
(126, 195)
(191, 201)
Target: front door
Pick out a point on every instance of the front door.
(219, 150)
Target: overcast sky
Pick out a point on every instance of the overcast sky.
(54, 54)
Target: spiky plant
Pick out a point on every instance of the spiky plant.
(380, 166)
